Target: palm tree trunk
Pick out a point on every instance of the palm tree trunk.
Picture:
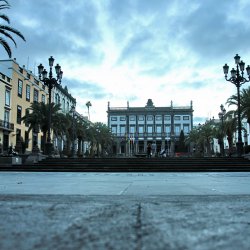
(230, 143)
(208, 147)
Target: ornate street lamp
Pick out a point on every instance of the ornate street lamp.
(50, 81)
(221, 116)
(237, 78)
(73, 112)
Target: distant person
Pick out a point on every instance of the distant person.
(163, 153)
(153, 148)
(11, 151)
(149, 149)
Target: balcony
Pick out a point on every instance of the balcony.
(4, 125)
(144, 135)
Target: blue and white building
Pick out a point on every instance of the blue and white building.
(135, 127)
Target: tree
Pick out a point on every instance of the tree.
(201, 138)
(103, 137)
(244, 103)
(77, 130)
(88, 104)
(230, 127)
(207, 135)
(219, 133)
(6, 30)
(37, 119)
(182, 147)
(81, 132)
(61, 125)
(192, 140)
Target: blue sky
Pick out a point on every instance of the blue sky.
(133, 50)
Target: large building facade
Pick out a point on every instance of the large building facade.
(61, 95)
(19, 88)
(135, 127)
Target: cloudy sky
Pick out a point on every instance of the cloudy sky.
(133, 50)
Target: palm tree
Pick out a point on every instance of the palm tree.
(230, 127)
(219, 133)
(88, 104)
(81, 133)
(5, 30)
(201, 137)
(244, 108)
(182, 146)
(192, 140)
(100, 138)
(103, 137)
(206, 136)
(61, 123)
(38, 118)
(244, 103)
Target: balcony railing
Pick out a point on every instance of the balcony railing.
(145, 134)
(6, 125)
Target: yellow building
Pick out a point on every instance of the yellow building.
(19, 88)
(5, 107)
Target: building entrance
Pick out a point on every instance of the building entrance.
(5, 142)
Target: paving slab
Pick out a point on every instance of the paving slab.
(124, 222)
(124, 211)
(125, 183)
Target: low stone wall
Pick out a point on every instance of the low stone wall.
(34, 158)
(11, 160)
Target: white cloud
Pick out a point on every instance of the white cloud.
(121, 51)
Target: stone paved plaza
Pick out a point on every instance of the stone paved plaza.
(124, 210)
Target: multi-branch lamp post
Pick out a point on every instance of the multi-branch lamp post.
(50, 81)
(221, 116)
(237, 78)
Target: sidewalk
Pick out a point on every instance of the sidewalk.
(124, 211)
(125, 183)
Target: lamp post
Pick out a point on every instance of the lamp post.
(72, 111)
(221, 116)
(50, 81)
(237, 78)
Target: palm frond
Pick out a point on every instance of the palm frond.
(4, 29)
(6, 46)
(5, 18)
(8, 35)
(4, 6)
(13, 30)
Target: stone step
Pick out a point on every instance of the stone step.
(135, 165)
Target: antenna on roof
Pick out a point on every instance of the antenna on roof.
(34, 68)
(28, 60)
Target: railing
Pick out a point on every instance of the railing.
(143, 135)
(182, 107)
(118, 108)
(6, 125)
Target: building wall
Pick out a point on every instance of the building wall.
(21, 100)
(60, 95)
(17, 80)
(5, 109)
(139, 126)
